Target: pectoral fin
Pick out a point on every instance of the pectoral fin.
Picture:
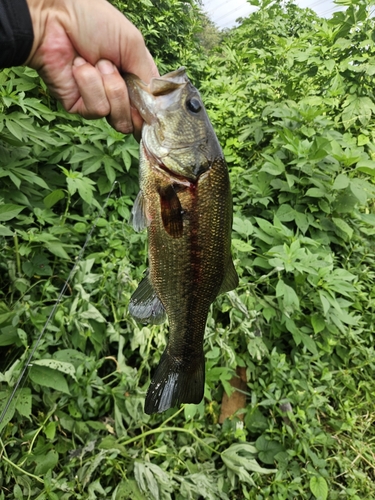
(171, 211)
(145, 306)
(230, 281)
(138, 218)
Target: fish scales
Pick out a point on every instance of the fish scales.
(185, 203)
(187, 272)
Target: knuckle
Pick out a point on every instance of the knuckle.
(120, 125)
(116, 91)
(101, 108)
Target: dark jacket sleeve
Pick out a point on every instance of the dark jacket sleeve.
(16, 32)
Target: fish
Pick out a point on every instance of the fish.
(185, 203)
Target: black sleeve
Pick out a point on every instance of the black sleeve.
(16, 32)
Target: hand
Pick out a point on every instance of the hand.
(79, 48)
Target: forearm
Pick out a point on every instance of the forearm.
(16, 32)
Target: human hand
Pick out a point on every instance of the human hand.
(79, 49)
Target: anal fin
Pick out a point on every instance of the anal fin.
(145, 306)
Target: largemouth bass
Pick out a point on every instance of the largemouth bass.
(185, 202)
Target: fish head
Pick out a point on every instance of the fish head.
(177, 133)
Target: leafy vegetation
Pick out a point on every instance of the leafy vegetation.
(291, 98)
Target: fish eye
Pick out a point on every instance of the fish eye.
(194, 105)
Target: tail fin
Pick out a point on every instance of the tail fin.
(175, 382)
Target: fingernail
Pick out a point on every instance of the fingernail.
(79, 61)
(105, 67)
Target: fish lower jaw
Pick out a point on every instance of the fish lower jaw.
(157, 163)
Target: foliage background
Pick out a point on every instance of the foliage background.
(291, 98)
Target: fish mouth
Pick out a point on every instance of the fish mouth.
(142, 94)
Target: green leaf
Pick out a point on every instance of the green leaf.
(93, 154)
(367, 167)
(111, 174)
(240, 458)
(319, 487)
(5, 231)
(46, 462)
(360, 108)
(61, 366)
(341, 182)
(325, 302)
(309, 343)
(242, 226)
(273, 166)
(92, 313)
(57, 249)
(318, 323)
(343, 226)
(14, 128)
(84, 186)
(150, 479)
(51, 199)
(363, 139)
(47, 377)
(23, 402)
(255, 421)
(17, 492)
(268, 449)
(70, 356)
(4, 396)
(126, 159)
(50, 430)
(242, 246)
(302, 222)
(285, 213)
(360, 188)
(288, 294)
(128, 489)
(35, 179)
(315, 193)
(8, 336)
(9, 211)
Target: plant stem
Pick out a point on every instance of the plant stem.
(63, 220)
(163, 429)
(18, 258)
(172, 416)
(38, 431)
(40, 480)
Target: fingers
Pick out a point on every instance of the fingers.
(136, 58)
(103, 92)
(93, 102)
(117, 95)
(137, 123)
